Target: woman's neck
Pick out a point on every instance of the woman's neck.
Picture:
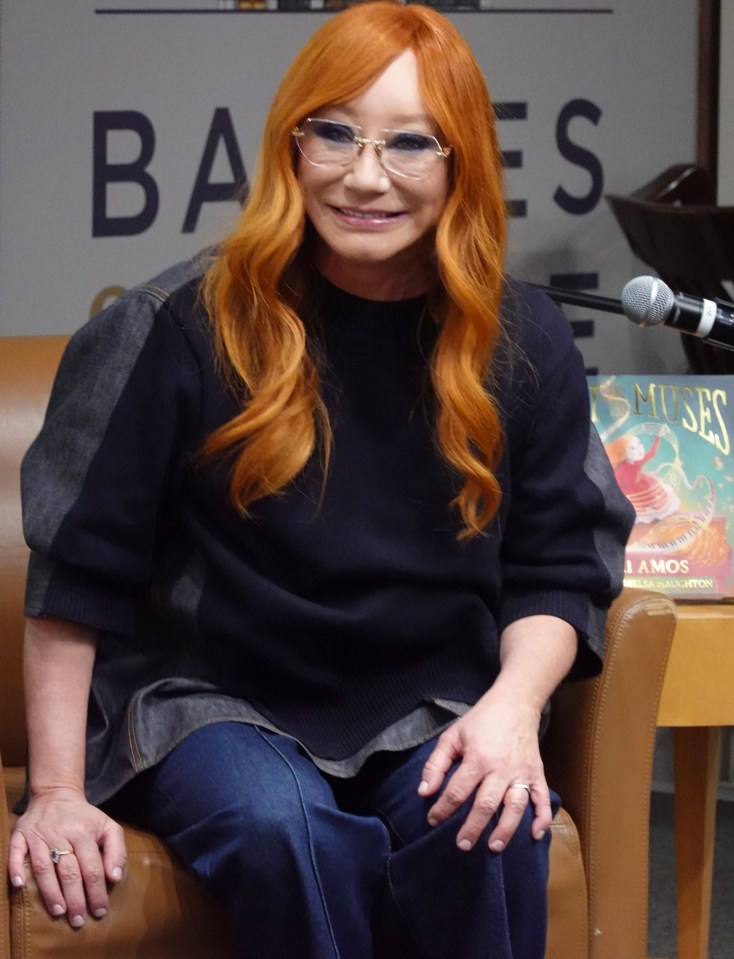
(380, 281)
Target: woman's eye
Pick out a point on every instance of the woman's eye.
(333, 132)
(411, 142)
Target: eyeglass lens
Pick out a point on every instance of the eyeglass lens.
(330, 143)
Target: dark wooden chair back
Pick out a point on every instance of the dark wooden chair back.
(674, 226)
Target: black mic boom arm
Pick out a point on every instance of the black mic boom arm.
(578, 298)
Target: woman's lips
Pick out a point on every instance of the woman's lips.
(366, 217)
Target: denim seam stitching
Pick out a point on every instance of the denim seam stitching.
(310, 839)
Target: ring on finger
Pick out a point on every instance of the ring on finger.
(56, 854)
(524, 786)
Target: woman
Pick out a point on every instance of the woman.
(322, 534)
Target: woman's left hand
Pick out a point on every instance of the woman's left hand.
(497, 747)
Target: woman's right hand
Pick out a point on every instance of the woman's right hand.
(93, 848)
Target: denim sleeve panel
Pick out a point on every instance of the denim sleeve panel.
(92, 479)
(568, 522)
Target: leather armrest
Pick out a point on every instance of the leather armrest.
(568, 916)
(157, 911)
(598, 754)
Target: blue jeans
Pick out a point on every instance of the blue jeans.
(314, 867)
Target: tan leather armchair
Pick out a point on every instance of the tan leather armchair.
(598, 753)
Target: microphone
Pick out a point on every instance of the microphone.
(647, 301)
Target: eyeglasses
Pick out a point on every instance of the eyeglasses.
(329, 143)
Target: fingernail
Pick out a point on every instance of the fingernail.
(77, 921)
(18, 881)
(116, 874)
(423, 788)
(540, 834)
(432, 821)
(465, 845)
(57, 910)
(497, 845)
(100, 913)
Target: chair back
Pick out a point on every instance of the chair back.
(673, 225)
(27, 368)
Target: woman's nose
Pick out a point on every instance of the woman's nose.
(367, 171)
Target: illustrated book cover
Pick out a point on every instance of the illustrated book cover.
(669, 441)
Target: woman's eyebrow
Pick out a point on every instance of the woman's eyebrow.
(403, 119)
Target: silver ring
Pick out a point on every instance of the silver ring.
(522, 786)
(56, 854)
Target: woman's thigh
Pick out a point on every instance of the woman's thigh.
(468, 905)
(253, 818)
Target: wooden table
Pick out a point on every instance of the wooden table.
(697, 699)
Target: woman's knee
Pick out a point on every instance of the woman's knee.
(243, 801)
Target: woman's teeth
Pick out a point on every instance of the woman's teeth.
(367, 214)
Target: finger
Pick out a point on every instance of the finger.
(69, 876)
(459, 788)
(47, 881)
(437, 765)
(516, 800)
(487, 801)
(17, 852)
(91, 871)
(114, 851)
(543, 811)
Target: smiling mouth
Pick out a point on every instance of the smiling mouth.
(367, 214)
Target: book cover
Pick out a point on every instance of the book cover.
(669, 441)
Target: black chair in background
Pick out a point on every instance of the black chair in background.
(674, 226)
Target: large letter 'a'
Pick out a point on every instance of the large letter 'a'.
(204, 190)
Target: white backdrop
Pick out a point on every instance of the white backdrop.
(119, 118)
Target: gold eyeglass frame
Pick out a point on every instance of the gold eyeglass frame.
(361, 142)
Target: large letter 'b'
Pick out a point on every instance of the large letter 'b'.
(132, 172)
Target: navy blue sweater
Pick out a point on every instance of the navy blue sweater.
(332, 612)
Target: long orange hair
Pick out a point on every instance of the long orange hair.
(252, 290)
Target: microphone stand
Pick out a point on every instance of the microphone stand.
(577, 298)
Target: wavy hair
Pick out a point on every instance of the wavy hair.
(255, 288)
